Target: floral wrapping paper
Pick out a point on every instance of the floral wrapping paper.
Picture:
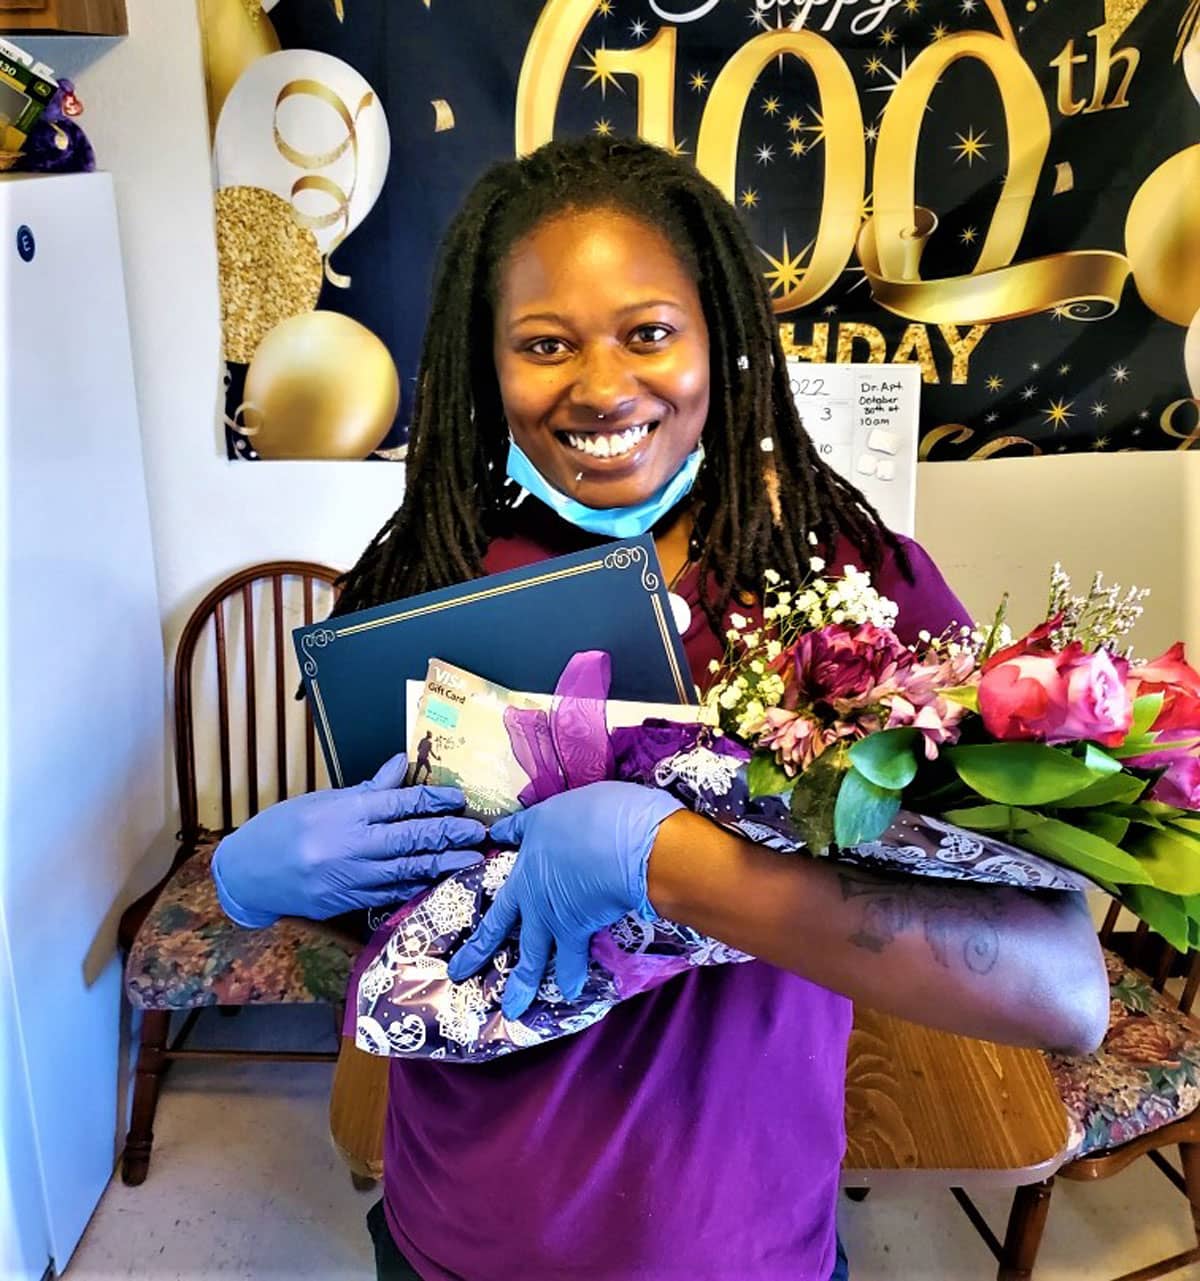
(407, 1006)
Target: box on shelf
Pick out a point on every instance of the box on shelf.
(26, 88)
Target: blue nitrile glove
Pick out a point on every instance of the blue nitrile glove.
(581, 866)
(328, 852)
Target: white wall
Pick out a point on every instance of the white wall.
(1000, 524)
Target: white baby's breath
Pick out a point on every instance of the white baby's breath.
(744, 688)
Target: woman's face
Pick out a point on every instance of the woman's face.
(601, 352)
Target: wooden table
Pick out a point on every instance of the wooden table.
(925, 1110)
(930, 1109)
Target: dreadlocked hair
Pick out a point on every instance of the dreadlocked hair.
(762, 488)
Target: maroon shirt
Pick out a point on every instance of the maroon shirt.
(694, 1134)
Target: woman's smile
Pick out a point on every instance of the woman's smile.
(602, 356)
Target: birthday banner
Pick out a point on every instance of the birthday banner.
(1006, 194)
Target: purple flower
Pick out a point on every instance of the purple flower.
(844, 665)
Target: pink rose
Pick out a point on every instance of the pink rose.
(1179, 684)
(1031, 691)
(1098, 704)
(1169, 670)
(1178, 722)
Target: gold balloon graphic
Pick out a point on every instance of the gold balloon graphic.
(236, 33)
(320, 386)
(1191, 355)
(269, 266)
(1191, 64)
(1162, 237)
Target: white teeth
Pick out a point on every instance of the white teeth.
(611, 446)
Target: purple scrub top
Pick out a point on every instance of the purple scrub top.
(695, 1134)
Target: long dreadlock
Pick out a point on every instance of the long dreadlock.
(753, 509)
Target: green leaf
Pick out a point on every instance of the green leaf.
(1120, 789)
(887, 758)
(814, 797)
(1111, 826)
(1085, 851)
(765, 776)
(1020, 773)
(1189, 825)
(1135, 814)
(1151, 743)
(993, 818)
(1171, 860)
(1145, 713)
(863, 811)
(964, 695)
(1163, 912)
(1099, 761)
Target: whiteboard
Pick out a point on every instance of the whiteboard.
(863, 422)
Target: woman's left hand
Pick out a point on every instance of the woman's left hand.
(581, 866)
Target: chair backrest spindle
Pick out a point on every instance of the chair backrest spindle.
(223, 715)
(280, 689)
(251, 701)
(1165, 963)
(292, 592)
(310, 750)
(1191, 984)
(1110, 923)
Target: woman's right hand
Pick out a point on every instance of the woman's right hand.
(328, 852)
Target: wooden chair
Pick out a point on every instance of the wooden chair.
(1138, 1094)
(182, 951)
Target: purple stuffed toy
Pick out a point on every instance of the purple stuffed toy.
(56, 144)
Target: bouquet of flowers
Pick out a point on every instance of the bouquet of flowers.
(1052, 762)
(1058, 743)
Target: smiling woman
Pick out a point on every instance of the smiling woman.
(602, 355)
(600, 337)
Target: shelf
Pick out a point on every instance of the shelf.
(64, 17)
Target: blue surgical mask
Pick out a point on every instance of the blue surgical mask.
(614, 522)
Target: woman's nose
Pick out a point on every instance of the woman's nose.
(604, 387)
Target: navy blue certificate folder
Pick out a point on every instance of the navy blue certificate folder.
(518, 629)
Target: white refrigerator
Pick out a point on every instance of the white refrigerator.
(82, 762)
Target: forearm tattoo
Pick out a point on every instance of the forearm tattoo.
(954, 923)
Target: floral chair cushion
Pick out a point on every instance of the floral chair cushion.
(1144, 1076)
(189, 953)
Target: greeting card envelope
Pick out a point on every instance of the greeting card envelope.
(518, 629)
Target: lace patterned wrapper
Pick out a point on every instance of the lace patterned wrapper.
(408, 1007)
(406, 1004)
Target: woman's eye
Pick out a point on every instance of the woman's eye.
(651, 335)
(547, 347)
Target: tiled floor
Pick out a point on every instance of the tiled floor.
(244, 1183)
